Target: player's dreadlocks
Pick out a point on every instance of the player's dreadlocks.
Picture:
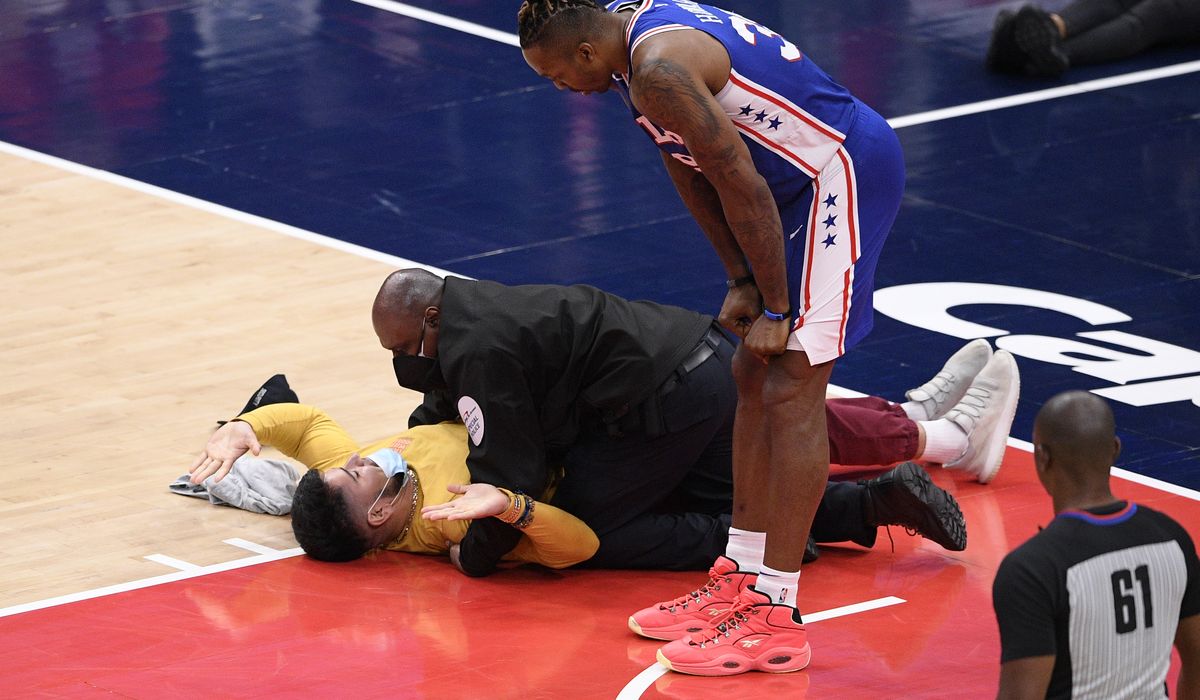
(535, 16)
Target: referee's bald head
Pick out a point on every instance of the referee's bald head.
(1076, 429)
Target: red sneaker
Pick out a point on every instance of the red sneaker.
(755, 635)
(696, 610)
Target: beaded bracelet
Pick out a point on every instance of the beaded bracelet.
(514, 510)
(519, 513)
(527, 516)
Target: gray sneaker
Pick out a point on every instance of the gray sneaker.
(985, 414)
(947, 387)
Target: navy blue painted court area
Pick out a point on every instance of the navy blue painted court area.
(1067, 227)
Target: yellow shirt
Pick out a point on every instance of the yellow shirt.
(438, 455)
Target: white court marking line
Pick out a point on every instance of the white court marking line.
(211, 208)
(250, 546)
(641, 682)
(935, 115)
(1142, 76)
(148, 582)
(444, 21)
(172, 562)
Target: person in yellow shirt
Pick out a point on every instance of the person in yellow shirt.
(434, 472)
(353, 503)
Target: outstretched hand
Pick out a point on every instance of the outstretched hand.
(229, 442)
(476, 501)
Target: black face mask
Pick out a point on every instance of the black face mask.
(423, 374)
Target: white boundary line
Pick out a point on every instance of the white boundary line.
(896, 122)
(148, 582)
(641, 682)
(443, 20)
(853, 609)
(250, 546)
(1153, 483)
(172, 562)
(1025, 98)
(211, 208)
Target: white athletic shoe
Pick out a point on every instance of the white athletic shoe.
(947, 387)
(985, 414)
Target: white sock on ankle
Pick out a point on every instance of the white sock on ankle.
(944, 441)
(914, 410)
(779, 586)
(746, 548)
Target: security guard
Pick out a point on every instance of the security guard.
(631, 398)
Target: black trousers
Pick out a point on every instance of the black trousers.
(663, 501)
(1106, 30)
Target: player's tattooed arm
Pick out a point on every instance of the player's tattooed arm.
(705, 206)
(677, 99)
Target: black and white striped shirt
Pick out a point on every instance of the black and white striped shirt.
(1103, 591)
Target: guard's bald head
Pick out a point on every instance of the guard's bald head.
(407, 291)
(1077, 431)
(401, 305)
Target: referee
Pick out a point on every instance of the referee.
(1089, 607)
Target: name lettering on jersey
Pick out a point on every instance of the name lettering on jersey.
(701, 13)
(472, 418)
(1150, 373)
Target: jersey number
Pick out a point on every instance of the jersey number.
(1125, 598)
(748, 30)
(662, 136)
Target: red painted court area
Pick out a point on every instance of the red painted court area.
(412, 627)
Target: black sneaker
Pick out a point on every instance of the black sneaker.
(906, 496)
(811, 553)
(1037, 36)
(1004, 56)
(274, 390)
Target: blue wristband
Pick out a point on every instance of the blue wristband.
(774, 316)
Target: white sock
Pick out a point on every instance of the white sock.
(747, 549)
(914, 410)
(779, 586)
(944, 441)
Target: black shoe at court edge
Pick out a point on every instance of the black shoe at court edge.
(811, 553)
(1004, 56)
(274, 390)
(907, 497)
(1038, 38)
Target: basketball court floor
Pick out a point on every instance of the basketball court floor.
(199, 194)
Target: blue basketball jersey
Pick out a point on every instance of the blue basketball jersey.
(792, 116)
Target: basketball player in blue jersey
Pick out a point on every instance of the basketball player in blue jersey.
(1090, 606)
(795, 183)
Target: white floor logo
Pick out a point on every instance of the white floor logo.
(1151, 373)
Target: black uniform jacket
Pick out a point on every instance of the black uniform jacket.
(525, 366)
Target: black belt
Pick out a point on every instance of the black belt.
(646, 417)
(703, 350)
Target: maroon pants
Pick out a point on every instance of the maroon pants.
(869, 431)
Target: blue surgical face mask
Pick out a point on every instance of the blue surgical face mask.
(389, 461)
(392, 464)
